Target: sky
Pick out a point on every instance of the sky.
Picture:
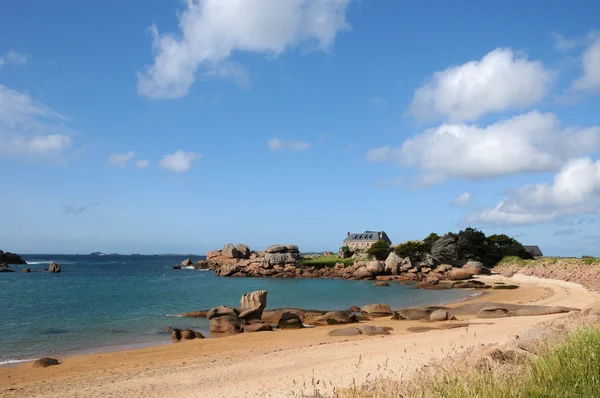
(172, 126)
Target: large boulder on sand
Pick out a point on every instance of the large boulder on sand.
(221, 310)
(229, 251)
(334, 318)
(252, 305)
(377, 310)
(226, 324)
(392, 263)
(376, 267)
(45, 362)
(290, 320)
(258, 327)
(459, 274)
(54, 268)
(185, 334)
(441, 315)
(476, 268)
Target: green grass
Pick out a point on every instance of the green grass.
(516, 260)
(327, 261)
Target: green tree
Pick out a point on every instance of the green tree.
(379, 249)
(429, 240)
(411, 249)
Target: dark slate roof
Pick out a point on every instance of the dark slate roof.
(534, 251)
(367, 236)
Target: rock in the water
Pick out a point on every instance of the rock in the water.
(228, 270)
(45, 362)
(221, 310)
(459, 274)
(392, 263)
(252, 305)
(376, 267)
(444, 249)
(381, 284)
(54, 268)
(229, 251)
(335, 318)
(176, 267)
(441, 315)
(10, 258)
(195, 314)
(257, 327)
(186, 263)
(377, 310)
(362, 273)
(202, 264)
(290, 320)
(476, 268)
(6, 270)
(243, 251)
(226, 324)
(26, 270)
(281, 258)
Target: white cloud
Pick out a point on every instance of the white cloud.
(120, 159)
(575, 191)
(212, 30)
(142, 164)
(462, 200)
(590, 80)
(14, 57)
(502, 80)
(179, 161)
(28, 127)
(533, 142)
(563, 44)
(276, 144)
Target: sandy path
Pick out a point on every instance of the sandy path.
(280, 363)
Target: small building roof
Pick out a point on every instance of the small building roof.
(533, 250)
(367, 236)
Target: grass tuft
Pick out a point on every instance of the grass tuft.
(327, 261)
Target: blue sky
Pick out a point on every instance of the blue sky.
(178, 126)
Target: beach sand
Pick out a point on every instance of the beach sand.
(284, 362)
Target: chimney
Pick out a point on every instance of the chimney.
(381, 235)
(348, 233)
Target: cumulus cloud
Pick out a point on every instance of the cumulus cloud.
(533, 142)
(212, 30)
(502, 80)
(30, 128)
(574, 191)
(120, 159)
(142, 164)
(590, 80)
(179, 161)
(13, 57)
(462, 200)
(276, 144)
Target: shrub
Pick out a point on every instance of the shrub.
(411, 249)
(345, 252)
(379, 249)
(429, 241)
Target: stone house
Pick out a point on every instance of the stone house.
(364, 240)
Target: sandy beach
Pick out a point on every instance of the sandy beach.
(285, 362)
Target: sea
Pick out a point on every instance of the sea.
(112, 302)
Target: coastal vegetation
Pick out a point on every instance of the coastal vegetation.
(569, 368)
(327, 261)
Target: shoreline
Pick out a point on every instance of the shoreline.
(244, 364)
(165, 339)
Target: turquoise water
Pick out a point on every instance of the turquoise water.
(110, 302)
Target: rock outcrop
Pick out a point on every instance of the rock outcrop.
(45, 362)
(54, 268)
(185, 334)
(10, 258)
(252, 305)
(377, 310)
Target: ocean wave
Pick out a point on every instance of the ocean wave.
(188, 267)
(12, 361)
(38, 262)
